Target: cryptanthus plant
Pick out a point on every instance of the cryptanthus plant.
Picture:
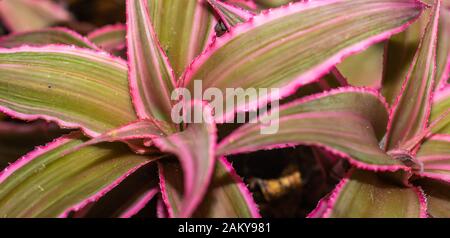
(398, 152)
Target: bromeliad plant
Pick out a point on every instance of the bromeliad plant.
(67, 79)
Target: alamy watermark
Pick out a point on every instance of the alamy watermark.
(234, 105)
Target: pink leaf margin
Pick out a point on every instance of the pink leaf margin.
(133, 83)
(164, 193)
(107, 29)
(332, 200)
(95, 197)
(354, 162)
(246, 15)
(68, 31)
(38, 151)
(254, 210)
(395, 106)
(436, 176)
(189, 166)
(55, 48)
(442, 94)
(140, 204)
(310, 76)
(50, 146)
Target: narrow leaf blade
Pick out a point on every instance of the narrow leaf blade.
(410, 114)
(48, 36)
(443, 48)
(74, 87)
(17, 139)
(359, 119)
(44, 184)
(151, 76)
(230, 15)
(195, 149)
(128, 199)
(293, 46)
(440, 106)
(366, 195)
(398, 56)
(194, 24)
(435, 156)
(110, 38)
(227, 196)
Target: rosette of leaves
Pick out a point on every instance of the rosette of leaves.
(123, 109)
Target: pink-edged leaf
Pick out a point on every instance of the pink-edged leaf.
(230, 15)
(227, 195)
(410, 113)
(56, 35)
(185, 36)
(358, 116)
(434, 154)
(25, 15)
(17, 139)
(110, 38)
(195, 149)
(439, 110)
(443, 48)
(161, 210)
(290, 46)
(365, 194)
(399, 53)
(139, 203)
(138, 135)
(72, 86)
(248, 5)
(151, 76)
(45, 184)
(130, 198)
(438, 197)
(320, 209)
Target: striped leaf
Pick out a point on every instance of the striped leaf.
(185, 36)
(248, 5)
(110, 38)
(440, 107)
(410, 113)
(435, 156)
(398, 56)
(443, 48)
(195, 149)
(74, 87)
(232, 16)
(227, 196)
(400, 50)
(17, 139)
(44, 37)
(138, 135)
(289, 47)
(364, 194)
(358, 118)
(26, 15)
(229, 14)
(128, 199)
(46, 184)
(151, 76)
